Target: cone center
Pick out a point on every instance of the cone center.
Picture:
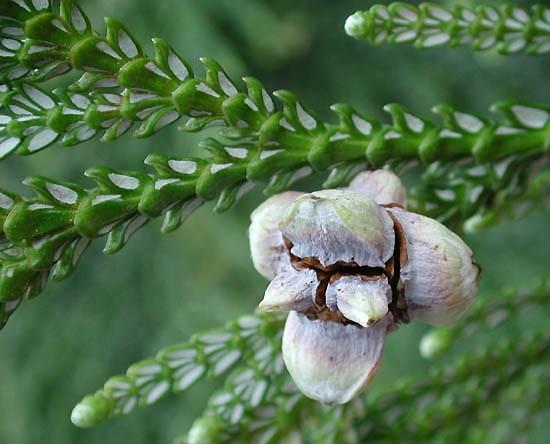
(329, 274)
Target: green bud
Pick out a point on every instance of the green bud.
(355, 25)
(479, 222)
(206, 430)
(92, 410)
(436, 342)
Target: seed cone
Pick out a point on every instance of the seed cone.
(349, 265)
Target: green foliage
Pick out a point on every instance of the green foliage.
(292, 143)
(510, 28)
(449, 398)
(36, 41)
(175, 368)
(476, 171)
(259, 403)
(46, 235)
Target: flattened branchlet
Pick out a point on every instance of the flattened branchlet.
(350, 265)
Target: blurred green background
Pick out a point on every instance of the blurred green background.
(159, 290)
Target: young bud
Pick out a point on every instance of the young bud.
(92, 410)
(206, 430)
(436, 342)
(356, 24)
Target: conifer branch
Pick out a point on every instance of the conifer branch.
(450, 396)
(32, 119)
(427, 408)
(292, 142)
(511, 418)
(496, 167)
(510, 29)
(36, 41)
(253, 338)
(45, 236)
(259, 402)
(474, 197)
(238, 414)
(159, 89)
